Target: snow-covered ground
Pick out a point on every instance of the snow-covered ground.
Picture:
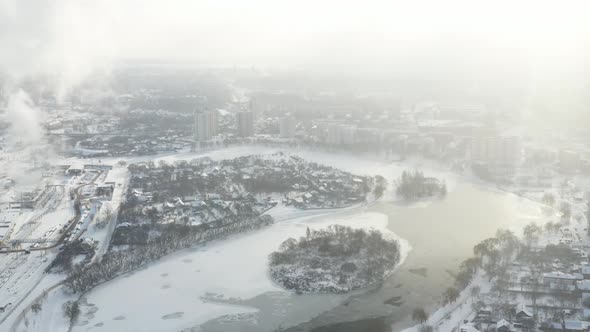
(51, 297)
(33, 295)
(452, 315)
(172, 289)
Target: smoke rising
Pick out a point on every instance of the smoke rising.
(48, 47)
(490, 45)
(25, 144)
(25, 119)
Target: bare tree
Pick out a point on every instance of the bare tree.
(71, 310)
(107, 215)
(419, 315)
(36, 307)
(450, 295)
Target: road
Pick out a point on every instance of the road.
(116, 200)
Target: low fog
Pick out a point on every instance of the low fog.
(426, 39)
(535, 52)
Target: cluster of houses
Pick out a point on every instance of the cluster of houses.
(561, 298)
(198, 209)
(485, 320)
(305, 185)
(522, 321)
(209, 193)
(325, 196)
(299, 183)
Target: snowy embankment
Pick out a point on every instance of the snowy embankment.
(452, 315)
(50, 315)
(172, 294)
(119, 175)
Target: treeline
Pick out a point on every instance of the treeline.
(179, 237)
(493, 255)
(134, 230)
(414, 185)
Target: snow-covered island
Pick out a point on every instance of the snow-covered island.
(415, 185)
(337, 259)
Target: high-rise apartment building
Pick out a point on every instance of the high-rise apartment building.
(245, 124)
(287, 126)
(206, 125)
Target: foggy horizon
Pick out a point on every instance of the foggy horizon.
(281, 34)
(537, 50)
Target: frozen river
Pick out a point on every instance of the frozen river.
(224, 286)
(441, 234)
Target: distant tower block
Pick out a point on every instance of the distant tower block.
(245, 124)
(253, 107)
(287, 127)
(205, 126)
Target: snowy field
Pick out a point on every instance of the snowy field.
(451, 316)
(173, 289)
(51, 297)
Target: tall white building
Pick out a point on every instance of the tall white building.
(245, 124)
(287, 126)
(496, 151)
(255, 108)
(206, 125)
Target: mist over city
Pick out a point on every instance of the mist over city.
(294, 166)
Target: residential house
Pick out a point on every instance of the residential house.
(504, 326)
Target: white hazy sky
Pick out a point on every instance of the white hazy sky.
(76, 37)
